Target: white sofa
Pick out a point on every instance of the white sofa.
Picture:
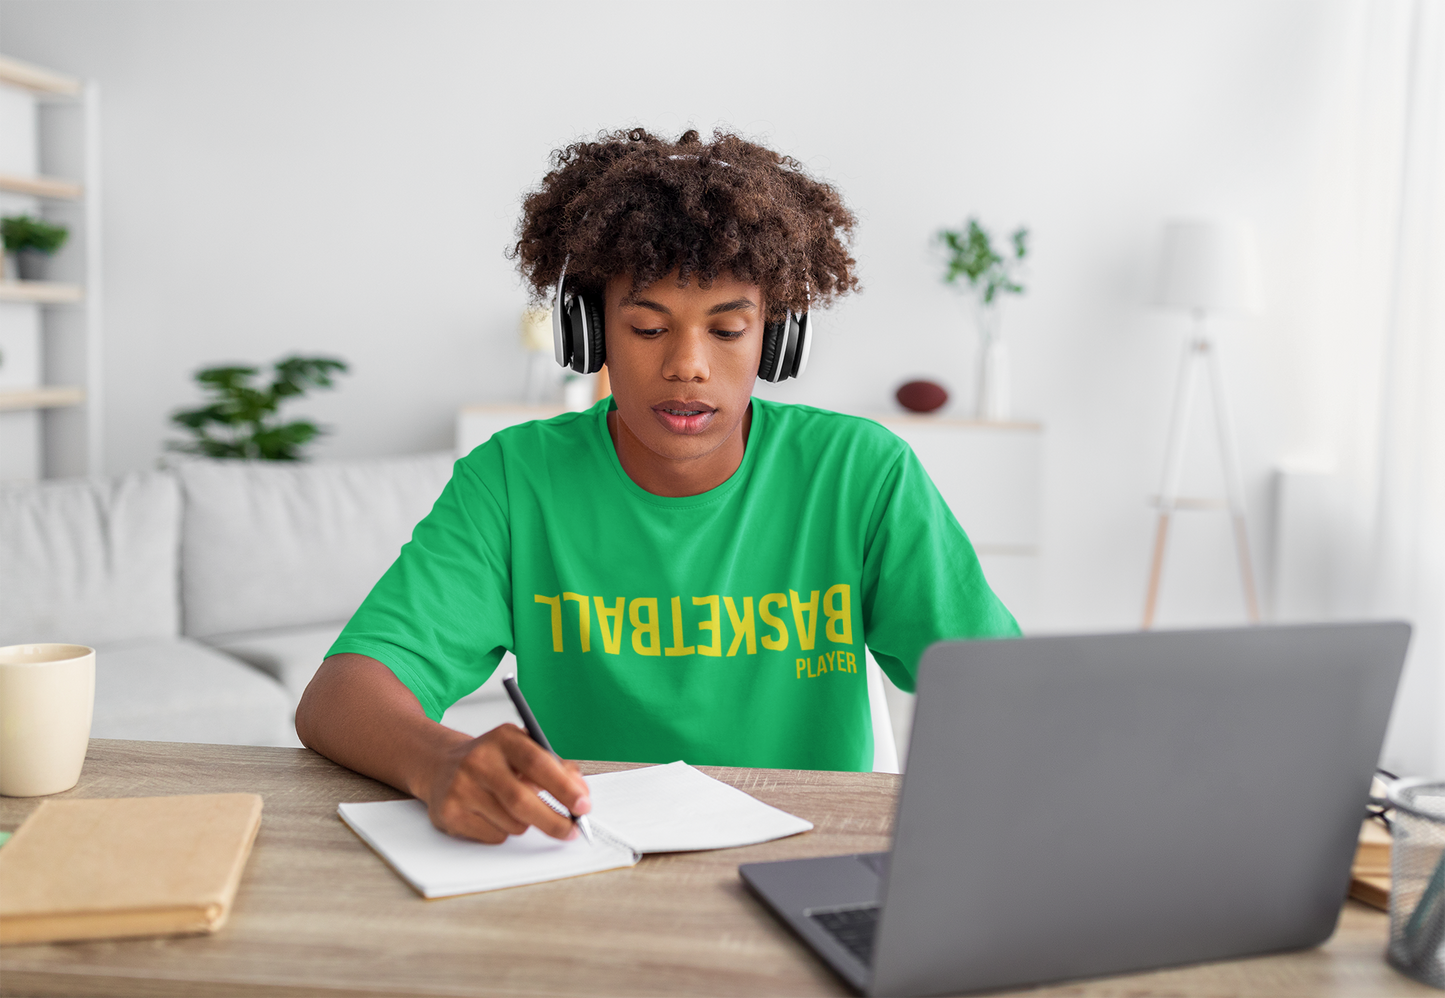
(212, 591)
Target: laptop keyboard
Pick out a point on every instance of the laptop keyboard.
(852, 927)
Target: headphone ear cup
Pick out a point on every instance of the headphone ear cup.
(596, 337)
(768, 367)
(575, 331)
(788, 347)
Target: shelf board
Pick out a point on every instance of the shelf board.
(44, 397)
(924, 418)
(37, 78)
(41, 187)
(40, 292)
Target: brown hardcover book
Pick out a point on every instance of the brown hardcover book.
(1372, 856)
(1373, 891)
(1370, 874)
(135, 866)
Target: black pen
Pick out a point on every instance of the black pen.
(535, 730)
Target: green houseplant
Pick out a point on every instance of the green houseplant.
(989, 275)
(241, 420)
(29, 241)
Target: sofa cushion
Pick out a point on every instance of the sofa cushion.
(268, 545)
(481, 711)
(89, 562)
(291, 655)
(181, 691)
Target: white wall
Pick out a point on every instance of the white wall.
(344, 177)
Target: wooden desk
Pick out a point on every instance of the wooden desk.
(319, 914)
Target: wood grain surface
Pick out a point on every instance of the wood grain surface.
(319, 914)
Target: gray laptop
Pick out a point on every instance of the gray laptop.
(1076, 806)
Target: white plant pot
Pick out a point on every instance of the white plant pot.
(994, 404)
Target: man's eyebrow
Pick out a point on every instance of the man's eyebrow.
(646, 303)
(736, 305)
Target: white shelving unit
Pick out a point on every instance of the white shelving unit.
(50, 331)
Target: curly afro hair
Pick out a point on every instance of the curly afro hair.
(631, 203)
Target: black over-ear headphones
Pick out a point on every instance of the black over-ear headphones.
(577, 337)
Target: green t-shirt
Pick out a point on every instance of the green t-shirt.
(725, 628)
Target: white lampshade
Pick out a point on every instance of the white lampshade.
(1209, 265)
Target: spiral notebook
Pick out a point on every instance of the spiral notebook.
(672, 808)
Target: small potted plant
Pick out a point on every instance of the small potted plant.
(240, 420)
(990, 275)
(29, 243)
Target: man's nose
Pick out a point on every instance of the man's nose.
(686, 358)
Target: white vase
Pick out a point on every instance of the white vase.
(991, 400)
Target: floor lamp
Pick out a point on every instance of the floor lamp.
(1207, 267)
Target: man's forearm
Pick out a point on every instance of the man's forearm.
(357, 713)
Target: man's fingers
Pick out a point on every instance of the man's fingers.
(523, 804)
(495, 773)
(491, 825)
(493, 792)
(560, 779)
(490, 815)
(583, 804)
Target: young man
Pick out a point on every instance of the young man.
(683, 571)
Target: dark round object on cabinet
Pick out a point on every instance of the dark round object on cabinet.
(922, 396)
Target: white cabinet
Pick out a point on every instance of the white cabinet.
(990, 474)
(50, 422)
(476, 423)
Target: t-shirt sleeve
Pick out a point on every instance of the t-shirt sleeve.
(921, 578)
(441, 616)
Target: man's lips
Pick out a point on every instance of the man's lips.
(679, 407)
(683, 416)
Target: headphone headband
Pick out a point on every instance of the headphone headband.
(579, 340)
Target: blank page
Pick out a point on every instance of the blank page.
(676, 808)
(438, 865)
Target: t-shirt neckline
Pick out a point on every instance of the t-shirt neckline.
(713, 495)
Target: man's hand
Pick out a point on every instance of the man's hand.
(357, 713)
(486, 788)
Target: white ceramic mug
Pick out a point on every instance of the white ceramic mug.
(47, 695)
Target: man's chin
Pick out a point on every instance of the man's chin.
(685, 448)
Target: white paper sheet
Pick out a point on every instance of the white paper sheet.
(676, 808)
(672, 808)
(437, 865)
